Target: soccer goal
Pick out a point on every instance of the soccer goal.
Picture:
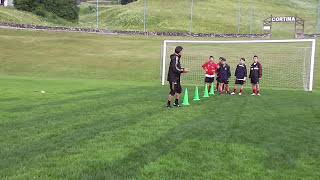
(286, 64)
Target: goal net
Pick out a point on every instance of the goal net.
(286, 63)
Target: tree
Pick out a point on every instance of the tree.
(66, 9)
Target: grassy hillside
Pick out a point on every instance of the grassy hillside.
(10, 14)
(218, 16)
(81, 55)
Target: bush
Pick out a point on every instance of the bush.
(92, 9)
(40, 11)
(66, 9)
(25, 5)
(123, 2)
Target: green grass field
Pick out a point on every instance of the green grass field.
(103, 117)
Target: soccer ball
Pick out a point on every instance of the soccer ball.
(42, 92)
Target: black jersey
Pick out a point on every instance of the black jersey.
(224, 72)
(241, 71)
(255, 70)
(175, 69)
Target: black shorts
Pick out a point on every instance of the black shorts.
(175, 87)
(242, 82)
(254, 80)
(209, 80)
(222, 80)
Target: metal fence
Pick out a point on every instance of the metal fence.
(118, 2)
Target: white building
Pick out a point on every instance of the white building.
(6, 2)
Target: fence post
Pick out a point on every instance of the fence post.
(191, 13)
(251, 14)
(239, 18)
(97, 15)
(318, 17)
(144, 15)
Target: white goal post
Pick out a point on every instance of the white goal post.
(282, 58)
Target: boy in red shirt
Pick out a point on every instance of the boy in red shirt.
(210, 67)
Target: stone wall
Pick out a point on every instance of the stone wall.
(149, 33)
(306, 36)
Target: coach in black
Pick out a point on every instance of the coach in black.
(174, 74)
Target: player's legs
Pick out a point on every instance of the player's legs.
(206, 81)
(220, 87)
(226, 85)
(227, 88)
(254, 89)
(171, 94)
(241, 89)
(258, 89)
(237, 82)
(255, 86)
(178, 96)
(234, 89)
(175, 88)
(178, 89)
(209, 81)
(218, 84)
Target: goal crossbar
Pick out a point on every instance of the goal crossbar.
(313, 51)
